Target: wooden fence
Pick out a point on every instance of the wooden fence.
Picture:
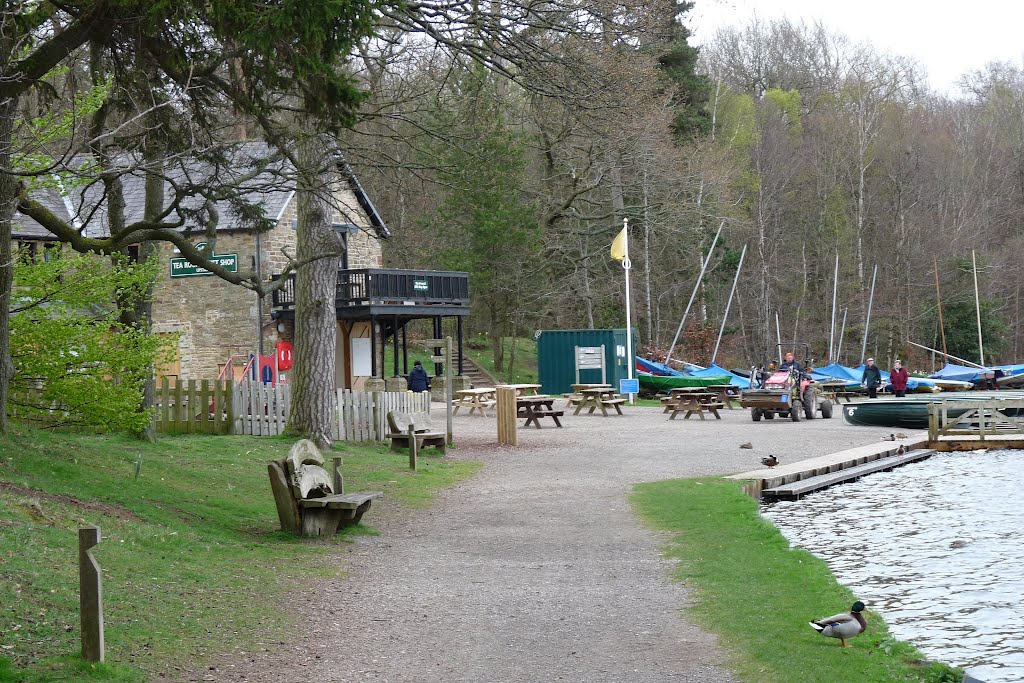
(261, 409)
(257, 409)
(362, 416)
(204, 407)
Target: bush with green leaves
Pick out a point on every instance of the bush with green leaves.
(76, 363)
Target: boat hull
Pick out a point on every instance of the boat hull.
(912, 413)
(658, 383)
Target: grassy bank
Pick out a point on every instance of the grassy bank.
(758, 594)
(193, 562)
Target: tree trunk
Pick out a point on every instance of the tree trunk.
(316, 327)
(8, 194)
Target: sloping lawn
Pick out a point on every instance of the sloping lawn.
(193, 562)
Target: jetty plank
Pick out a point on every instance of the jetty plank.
(797, 489)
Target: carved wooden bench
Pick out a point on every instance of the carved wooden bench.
(309, 501)
(399, 424)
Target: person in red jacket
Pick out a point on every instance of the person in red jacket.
(898, 376)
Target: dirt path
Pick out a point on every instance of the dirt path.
(536, 569)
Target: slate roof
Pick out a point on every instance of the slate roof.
(272, 190)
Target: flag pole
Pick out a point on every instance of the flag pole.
(626, 265)
(977, 306)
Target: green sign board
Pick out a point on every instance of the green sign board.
(181, 267)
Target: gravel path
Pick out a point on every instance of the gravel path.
(537, 568)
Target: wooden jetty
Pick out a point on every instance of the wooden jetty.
(763, 479)
(798, 489)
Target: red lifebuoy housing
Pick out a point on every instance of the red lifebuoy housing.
(284, 356)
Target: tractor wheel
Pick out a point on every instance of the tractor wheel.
(794, 411)
(810, 403)
(755, 414)
(769, 415)
(826, 409)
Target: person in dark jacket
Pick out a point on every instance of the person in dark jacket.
(790, 362)
(872, 378)
(899, 378)
(419, 380)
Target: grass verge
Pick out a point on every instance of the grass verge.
(758, 594)
(193, 562)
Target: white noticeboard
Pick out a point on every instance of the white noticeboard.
(589, 357)
(362, 357)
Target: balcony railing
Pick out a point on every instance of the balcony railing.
(383, 287)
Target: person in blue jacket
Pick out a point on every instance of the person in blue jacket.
(419, 380)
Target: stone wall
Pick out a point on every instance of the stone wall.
(216, 319)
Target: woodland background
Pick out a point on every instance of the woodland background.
(804, 143)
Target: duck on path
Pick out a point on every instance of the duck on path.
(844, 625)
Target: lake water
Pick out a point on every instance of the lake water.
(936, 547)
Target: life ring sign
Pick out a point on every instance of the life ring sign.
(284, 356)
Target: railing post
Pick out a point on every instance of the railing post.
(933, 423)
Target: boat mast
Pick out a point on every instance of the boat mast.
(696, 287)
(778, 334)
(728, 305)
(842, 331)
(977, 306)
(867, 322)
(938, 299)
(949, 355)
(832, 330)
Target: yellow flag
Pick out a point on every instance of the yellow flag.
(619, 246)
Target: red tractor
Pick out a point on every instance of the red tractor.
(785, 393)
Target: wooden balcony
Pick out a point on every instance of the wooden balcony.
(382, 292)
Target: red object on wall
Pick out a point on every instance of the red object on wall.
(284, 356)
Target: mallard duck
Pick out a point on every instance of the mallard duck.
(746, 445)
(901, 450)
(842, 626)
(891, 437)
(770, 461)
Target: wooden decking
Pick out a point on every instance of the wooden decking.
(798, 489)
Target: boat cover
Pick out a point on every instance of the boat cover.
(962, 373)
(655, 368)
(717, 371)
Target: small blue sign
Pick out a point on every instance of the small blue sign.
(629, 386)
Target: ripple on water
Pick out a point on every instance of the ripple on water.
(934, 547)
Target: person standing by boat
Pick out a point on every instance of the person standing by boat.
(872, 378)
(899, 378)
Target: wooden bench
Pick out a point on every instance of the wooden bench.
(696, 403)
(614, 403)
(309, 501)
(399, 424)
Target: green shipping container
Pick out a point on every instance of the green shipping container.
(559, 352)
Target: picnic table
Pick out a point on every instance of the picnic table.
(692, 402)
(726, 393)
(575, 396)
(475, 399)
(674, 394)
(599, 397)
(524, 389)
(535, 407)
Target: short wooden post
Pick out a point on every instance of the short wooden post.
(339, 480)
(412, 447)
(91, 595)
(933, 423)
(505, 408)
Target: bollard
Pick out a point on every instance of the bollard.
(506, 412)
(91, 595)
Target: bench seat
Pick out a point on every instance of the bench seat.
(342, 501)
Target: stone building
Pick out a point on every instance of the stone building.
(219, 326)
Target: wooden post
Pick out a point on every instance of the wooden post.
(448, 386)
(412, 447)
(506, 413)
(933, 423)
(339, 480)
(91, 595)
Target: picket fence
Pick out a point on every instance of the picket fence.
(257, 409)
(204, 407)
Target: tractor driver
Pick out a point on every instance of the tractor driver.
(790, 362)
